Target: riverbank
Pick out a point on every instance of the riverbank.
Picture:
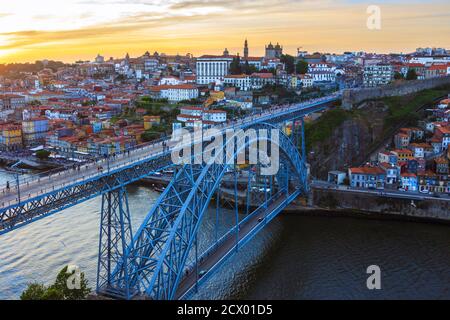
(358, 214)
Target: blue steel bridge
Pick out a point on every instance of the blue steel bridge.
(167, 257)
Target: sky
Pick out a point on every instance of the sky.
(69, 30)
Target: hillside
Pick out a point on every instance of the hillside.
(342, 138)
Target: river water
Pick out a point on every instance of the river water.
(295, 257)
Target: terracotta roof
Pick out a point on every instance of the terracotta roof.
(367, 170)
(408, 175)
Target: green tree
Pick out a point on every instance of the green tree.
(249, 69)
(289, 63)
(301, 67)
(411, 75)
(235, 66)
(34, 291)
(59, 290)
(398, 76)
(148, 136)
(42, 154)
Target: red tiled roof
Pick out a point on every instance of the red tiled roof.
(367, 170)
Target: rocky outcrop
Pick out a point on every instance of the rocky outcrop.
(351, 142)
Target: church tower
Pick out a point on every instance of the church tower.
(246, 49)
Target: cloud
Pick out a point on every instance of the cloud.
(84, 27)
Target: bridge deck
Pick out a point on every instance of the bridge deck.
(38, 193)
(210, 262)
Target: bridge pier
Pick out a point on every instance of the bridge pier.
(115, 237)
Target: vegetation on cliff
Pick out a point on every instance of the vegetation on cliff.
(341, 138)
(322, 129)
(403, 108)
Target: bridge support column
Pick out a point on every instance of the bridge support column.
(304, 176)
(115, 236)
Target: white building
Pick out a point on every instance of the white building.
(151, 65)
(216, 116)
(176, 93)
(307, 80)
(377, 75)
(243, 81)
(196, 116)
(170, 81)
(212, 68)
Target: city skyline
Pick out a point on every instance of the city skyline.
(76, 29)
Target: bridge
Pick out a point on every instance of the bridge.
(167, 258)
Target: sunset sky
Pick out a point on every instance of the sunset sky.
(69, 30)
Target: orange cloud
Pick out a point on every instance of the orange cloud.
(207, 26)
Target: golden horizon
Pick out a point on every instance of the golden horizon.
(81, 30)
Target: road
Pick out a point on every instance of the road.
(34, 186)
(227, 246)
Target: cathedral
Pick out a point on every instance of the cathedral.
(274, 51)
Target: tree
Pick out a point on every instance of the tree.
(411, 75)
(34, 291)
(59, 290)
(249, 69)
(42, 154)
(148, 136)
(301, 67)
(235, 66)
(289, 63)
(398, 76)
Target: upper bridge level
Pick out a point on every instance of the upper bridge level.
(37, 197)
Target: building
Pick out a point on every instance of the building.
(403, 155)
(436, 70)
(243, 81)
(149, 121)
(10, 137)
(409, 181)
(377, 75)
(367, 177)
(443, 133)
(10, 102)
(259, 80)
(175, 93)
(391, 171)
(337, 177)
(99, 59)
(401, 140)
(197, 116)
(273, 51)
(215, 116)
(34, 131)
(246, 49)
(212, 68)
(306, 80)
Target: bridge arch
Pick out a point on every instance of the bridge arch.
(156, 258)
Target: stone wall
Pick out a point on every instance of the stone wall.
(435, 209)
(353, 97)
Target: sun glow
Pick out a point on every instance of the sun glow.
(78, 29)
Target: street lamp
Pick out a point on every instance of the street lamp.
(17, 179)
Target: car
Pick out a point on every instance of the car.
(401, 189)
(424, 191)
(202, 273)
(260, 220)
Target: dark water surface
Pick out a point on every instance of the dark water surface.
(296, 257)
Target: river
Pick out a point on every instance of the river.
(295, 257)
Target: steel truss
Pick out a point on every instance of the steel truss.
(156, 260)
(47, 204)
